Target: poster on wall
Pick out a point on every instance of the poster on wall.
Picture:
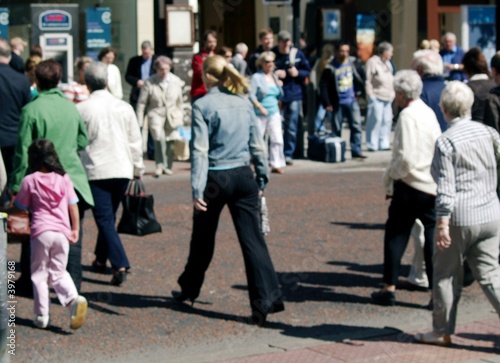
(4, 23)
(98, 27)
(332, 27)
(478, 29)
(366, 25)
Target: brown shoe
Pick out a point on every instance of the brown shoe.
(433, 339)
(277, 171)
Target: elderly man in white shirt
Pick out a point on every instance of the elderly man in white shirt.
(408, 181)
(112, 158)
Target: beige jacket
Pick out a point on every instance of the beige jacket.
(379, 79)
(155, 102)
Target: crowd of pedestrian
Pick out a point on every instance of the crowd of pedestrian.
(81, 139)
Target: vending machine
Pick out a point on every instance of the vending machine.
(55, 28)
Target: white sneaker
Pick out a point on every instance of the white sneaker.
(41, 321)
(158, 171)
(167, 171)
(77, 311)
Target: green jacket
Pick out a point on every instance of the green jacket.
(51, 116)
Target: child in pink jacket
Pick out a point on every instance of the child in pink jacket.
(49, 195)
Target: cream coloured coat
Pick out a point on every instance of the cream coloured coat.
(155, 101)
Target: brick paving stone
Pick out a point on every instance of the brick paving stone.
(294, 356)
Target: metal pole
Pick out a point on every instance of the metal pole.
(296, 22)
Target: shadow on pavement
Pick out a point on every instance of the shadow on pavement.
(360, 225)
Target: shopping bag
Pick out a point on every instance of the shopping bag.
(264, 217)
(18, 225)
(138, 217)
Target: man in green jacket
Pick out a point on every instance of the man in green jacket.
(50, 115)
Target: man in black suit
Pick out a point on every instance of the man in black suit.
(139, 69)
(14, 94)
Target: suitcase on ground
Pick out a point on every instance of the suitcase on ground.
(326, 148)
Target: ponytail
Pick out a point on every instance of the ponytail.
(219, 72)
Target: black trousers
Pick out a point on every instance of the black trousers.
(407, 205)
(236, 188)
(74, 257)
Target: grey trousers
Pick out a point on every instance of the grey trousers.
(478, 244)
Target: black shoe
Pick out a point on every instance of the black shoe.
(359, 156)
(180, 297)
(98, 267)
(385, 298)
(119, 277)
(288, 160)
(257, 318)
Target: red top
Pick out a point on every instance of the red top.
(198, 89)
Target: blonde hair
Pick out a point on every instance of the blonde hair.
(217, 71)
(262, 58)
(326, 57)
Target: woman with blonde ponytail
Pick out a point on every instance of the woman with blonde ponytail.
(225, 139)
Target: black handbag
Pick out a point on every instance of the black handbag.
(138, 217)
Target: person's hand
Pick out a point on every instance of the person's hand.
(293, 72)
(280, 73)
(329, 108)
(200, 205)
(261, 193)
(140, 83)
(280, 83)
(443, 239)
(74, 236)
(263, 111)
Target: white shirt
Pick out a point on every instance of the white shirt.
(115, 81)
(115, 142)
(413, 148)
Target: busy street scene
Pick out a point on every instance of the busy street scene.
(249, 181)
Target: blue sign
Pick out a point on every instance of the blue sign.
(4, 23)
(55, 20)
(98, 27)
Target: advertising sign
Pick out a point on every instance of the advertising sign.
(55, 20)
(98, 27)
(478, 29)
(4, 23)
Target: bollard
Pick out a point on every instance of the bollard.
(4, 314)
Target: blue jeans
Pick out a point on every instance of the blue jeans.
(108, 194)
(352, 112)
(291, 115)
(319, 120)
(378, 124)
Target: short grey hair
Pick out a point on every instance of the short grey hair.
(449, 35)
(162, 60)
(428, 62)
(96, 76)
(146, 44)
(457, 99)
(241, 48)
(408, 83)
(5, 51)
(383, 47)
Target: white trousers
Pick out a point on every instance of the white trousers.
(417, 274)
(272, 126)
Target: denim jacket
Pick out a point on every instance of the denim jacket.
(225, 135)
(259, 86)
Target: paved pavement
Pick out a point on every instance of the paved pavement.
(326, 243)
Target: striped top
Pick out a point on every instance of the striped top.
(464, 168)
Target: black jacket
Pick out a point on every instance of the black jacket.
(328, 84)
(133, 75)
(492, 108)
(14, 94)
(16, 62)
